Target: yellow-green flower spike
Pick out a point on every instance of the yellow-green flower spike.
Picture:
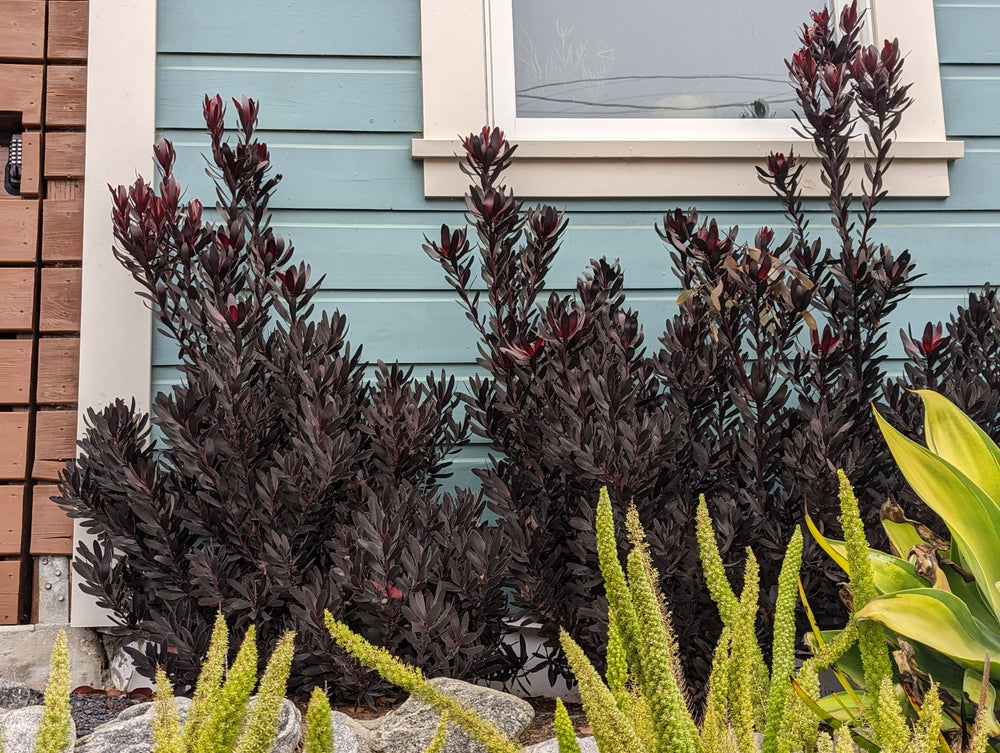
(565, 734)
(657, 657)
(783, 645)
(53, 732)
(746, 694)
(617, 671)
(800, 726)
(927, 731)
(221, 726)
(412, 681)
(213, 671)
(437, 742)
(612, 730)
(711, 562)
(891, 731)
(263, 719)
(620, 609)
(319, 724)
(844, 743)
(166, 720)
(824, 743)
(871, 636)
(716, 732)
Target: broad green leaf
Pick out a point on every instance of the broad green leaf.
(956, 438)
(902, 535)
(937, 619)
(972, 686)
(891, 573)
(971, 516)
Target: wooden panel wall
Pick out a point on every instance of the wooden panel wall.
(43, 74)
(340, 113)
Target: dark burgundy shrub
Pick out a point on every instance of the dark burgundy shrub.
(778, 413)
(761, 388)
(568, 401)
(284, 482)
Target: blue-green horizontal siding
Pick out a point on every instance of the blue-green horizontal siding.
(381, 250)
(298, 94)
(968, 32)
(387, 28)
(971, 99)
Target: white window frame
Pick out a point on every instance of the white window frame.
(468, 82)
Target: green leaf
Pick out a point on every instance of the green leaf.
(891, 573)
(971, 516)
(972, 687)
(956, 438)
(902, 535)
(939, 620)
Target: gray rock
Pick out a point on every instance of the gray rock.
(132, 731)
(16, 695)
(587, 745)
(348, 736)
(25, 651)
(409, 728)
(19, 727)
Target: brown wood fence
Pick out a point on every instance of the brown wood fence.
(43, 76)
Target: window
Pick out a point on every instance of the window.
(595, 117)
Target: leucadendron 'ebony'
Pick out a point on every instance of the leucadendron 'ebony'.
(758, 393)
(282, 482)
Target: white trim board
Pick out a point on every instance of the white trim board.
(115, 325)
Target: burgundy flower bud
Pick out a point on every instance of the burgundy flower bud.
(523, 352)
(273, 247)
(849, 17)
(803, 65)
(932, 338)
(490, 204)
(545, 221)
(833, 77)
(247, 109)
(170, 190)
(139, 195)
(763, 238)
(263, 155)
(486, 147)
(294, 279)
(165, 155)
(215, 112)
(233, 309)
(194, 210)
(453, 244)
(823, 345)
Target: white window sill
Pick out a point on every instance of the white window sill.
(682, 168)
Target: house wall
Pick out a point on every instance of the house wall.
(340, 86)
(43, 59)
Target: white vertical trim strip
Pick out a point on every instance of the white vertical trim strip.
(115, 326)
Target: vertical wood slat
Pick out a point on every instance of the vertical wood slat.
(60, 304)
(9, 578)
(31, 163)
(62, 230)
(51, 529)
(66, 96)
(55, 442)
(18, 286)
(11, 500)
(21, 91)
(18, 230)
(13, 445)
(58, 370)
(22, 29)
(68, 29)
(15, 371)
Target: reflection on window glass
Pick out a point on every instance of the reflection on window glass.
(655, 59)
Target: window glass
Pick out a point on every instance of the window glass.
(655, 59)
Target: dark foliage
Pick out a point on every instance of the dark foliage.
(285, 483)
(739, 403)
